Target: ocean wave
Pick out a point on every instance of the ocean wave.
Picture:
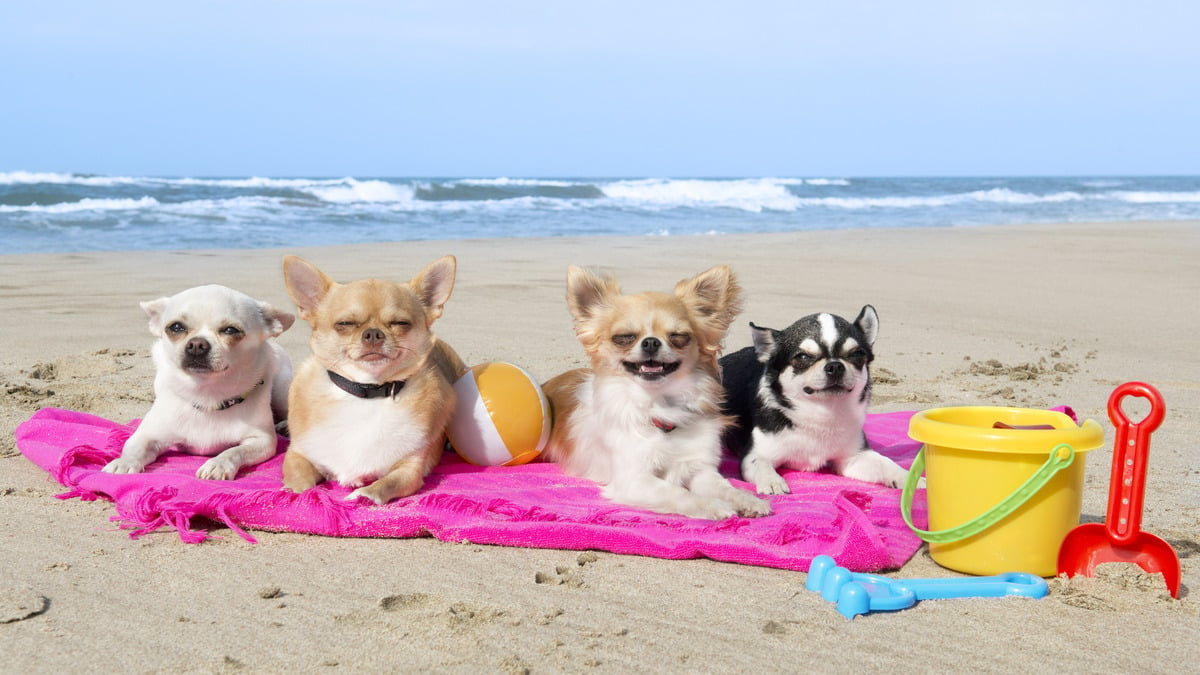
(230, 205)
(352, 190)
(503, 190)
(517, 182)
(826, 181)
(1002, 196)
(1157, 197)
(773, 194)
(85, 205)
(508, 206)
(992, 196)
(250, 183)
(47, 178)
(747, 194)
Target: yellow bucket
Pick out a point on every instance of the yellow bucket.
(1004, 485)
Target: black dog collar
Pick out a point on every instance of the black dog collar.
(230, 402)
(385, 390)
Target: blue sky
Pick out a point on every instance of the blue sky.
(562, 88)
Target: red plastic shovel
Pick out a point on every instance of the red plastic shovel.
(1120, 538)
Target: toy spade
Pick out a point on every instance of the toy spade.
(1120, 538)
(856, 593)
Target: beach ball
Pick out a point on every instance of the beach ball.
(502, 417)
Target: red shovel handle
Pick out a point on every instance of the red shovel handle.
(1127, 484)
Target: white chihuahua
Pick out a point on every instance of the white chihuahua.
(220, 382)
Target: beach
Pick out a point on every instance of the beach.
(1016, 315)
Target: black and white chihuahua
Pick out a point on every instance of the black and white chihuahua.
(800, 396)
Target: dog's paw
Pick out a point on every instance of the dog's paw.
(763, 474)
(871, 467)
(772, 485)
(217, 468)
(711, 509)
(298, 484)
(749, 506)
(124, 465)
(366, 493)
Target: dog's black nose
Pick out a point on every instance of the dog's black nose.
(197, 347)
(835, 369)
(372, 335)
(651, 345)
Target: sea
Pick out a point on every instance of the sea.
(71, 212)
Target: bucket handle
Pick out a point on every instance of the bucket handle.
(1060, 458)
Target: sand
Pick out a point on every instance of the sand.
(1017, 315)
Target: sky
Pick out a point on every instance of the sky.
(565, 88)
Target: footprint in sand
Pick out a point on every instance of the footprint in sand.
(19, 603)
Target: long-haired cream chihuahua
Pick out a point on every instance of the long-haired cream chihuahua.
(369, 408)
(645, 420)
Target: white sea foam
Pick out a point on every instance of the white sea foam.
(229, 205)
(27, 177)
(33, 178)
(491, 206)
(517, 182)
(84, 205)
(751, 194)
(253, 182)
(1158, 197)
(350, 190)
(993, 196)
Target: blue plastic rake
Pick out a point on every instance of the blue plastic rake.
(856, 593)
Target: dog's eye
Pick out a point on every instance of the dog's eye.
(401, 324)
(803, 360)
(231, 330)
(624, 339)
(177, 328)
(344, 325)
(679, 340)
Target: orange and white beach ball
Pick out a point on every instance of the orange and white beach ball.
(502, 417)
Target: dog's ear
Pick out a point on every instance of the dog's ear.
(434, 285)
(587, 291)
(765, 340)
(277, 320)
(868, 323)
(154, 310)
(306, 284)
(714, 296)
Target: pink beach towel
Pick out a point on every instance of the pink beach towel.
(533, 505)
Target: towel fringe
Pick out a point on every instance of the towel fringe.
(157, 508)
(81, 456)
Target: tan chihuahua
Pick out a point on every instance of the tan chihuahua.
(369, 408)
